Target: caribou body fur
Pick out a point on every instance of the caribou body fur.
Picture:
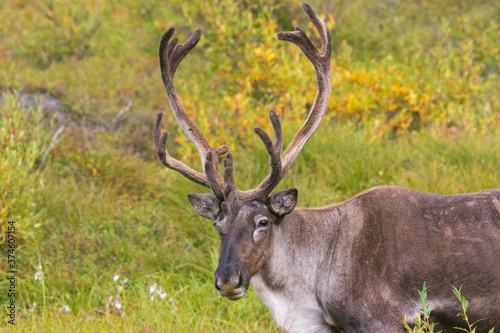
(355, 266)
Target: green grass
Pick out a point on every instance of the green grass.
(415, 103)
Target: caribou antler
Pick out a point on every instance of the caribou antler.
(321, 63)
(160, 140)
(171, 56)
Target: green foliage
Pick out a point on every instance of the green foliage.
(23, 136)
(422, 320)
(401, 65)
(465, 304)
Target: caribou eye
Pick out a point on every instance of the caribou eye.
(263, 223)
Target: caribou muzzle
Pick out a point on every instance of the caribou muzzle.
(232, 281)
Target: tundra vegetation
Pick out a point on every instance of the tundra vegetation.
(107, 240)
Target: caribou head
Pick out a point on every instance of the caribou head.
(243, 219)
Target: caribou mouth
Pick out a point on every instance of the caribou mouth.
(233, 296)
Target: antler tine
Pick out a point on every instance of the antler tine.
(274, 151)
(321, 63)
(212, 171)
(299, 38)
(171, 56)
(160, 140)
(229, 183)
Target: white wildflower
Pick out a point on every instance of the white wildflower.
(38, 273)
(114, 301)
(152, 289)
(38, 276)
(65, 308)
(156, 289)
(116, 277)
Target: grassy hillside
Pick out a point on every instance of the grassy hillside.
(106, 238)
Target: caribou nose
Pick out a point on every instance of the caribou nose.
(228, 281)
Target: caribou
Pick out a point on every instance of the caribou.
(353, 266)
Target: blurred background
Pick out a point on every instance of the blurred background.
(107, 240)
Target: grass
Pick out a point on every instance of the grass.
(417, 109)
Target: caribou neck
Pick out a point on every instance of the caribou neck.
(310, 238)
(309, 250)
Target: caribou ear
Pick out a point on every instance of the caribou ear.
(283, 202)
(205, 204)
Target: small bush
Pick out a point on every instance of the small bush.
(422, 320)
